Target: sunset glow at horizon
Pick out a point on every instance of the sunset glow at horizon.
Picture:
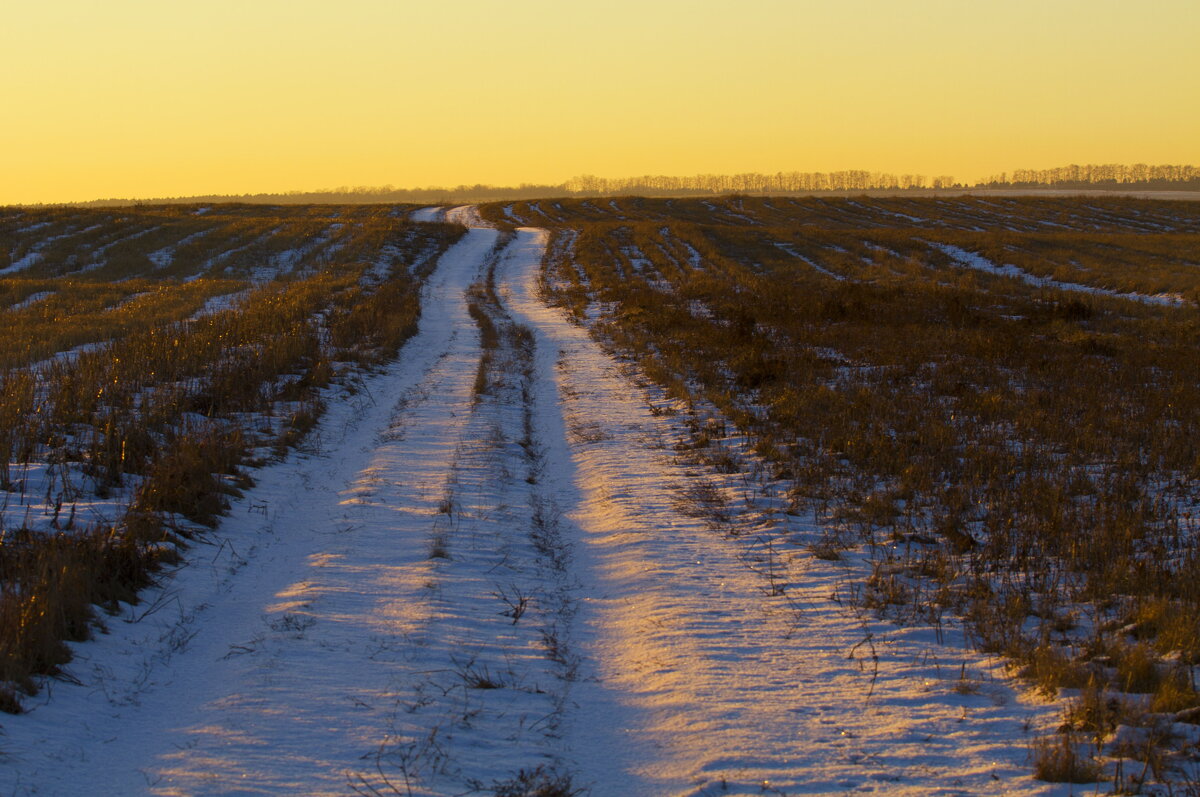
(138, 99)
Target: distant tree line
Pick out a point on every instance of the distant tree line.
(357, 195)
(1114, 175)
(1093, 175)
(754, 183)
(1089, 176)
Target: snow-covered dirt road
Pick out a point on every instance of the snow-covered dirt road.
(493, 559)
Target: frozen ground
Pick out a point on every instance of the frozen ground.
(450, 586)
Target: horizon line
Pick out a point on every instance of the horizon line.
(1098, 176)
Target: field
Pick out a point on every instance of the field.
(737, 495)
(992, 402)
(150, 355)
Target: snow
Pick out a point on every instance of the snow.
(468, 215)
(695, 261)
(28, 261)
(980, 263)
(316, 247)
(30, 300)
(318, 645)
(638, 260)
(911, 219)
(161, 258)
(49, 498)
(512, 217)
(428, 214)
(791, 250)
(259, 274)
(98, 255)
(742, 217)
(34, 255)
(220, 303)
(41, 225)
(68, 355)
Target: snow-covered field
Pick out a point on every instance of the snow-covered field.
(449, 587)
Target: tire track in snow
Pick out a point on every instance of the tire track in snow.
(355, 617)
(677, 634)
(490, 673)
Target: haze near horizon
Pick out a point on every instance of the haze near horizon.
(139, 99)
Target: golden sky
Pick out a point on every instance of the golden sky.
(141, 98)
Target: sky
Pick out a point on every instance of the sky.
(144, 98)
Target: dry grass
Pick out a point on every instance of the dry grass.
(1058, 760)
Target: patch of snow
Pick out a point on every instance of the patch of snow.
(29, 260)
(98, 255)
(905, 216)
(428, 214)
(161, 258)
(68, 355)
(638, 260)
(34, 255)
(219, 304)
(537, 208)
(226, 254)
(468, 216)
(694, 259)
(32, 299)
(975, 261)
(41, 225)
(789, 249)
(49, 498)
